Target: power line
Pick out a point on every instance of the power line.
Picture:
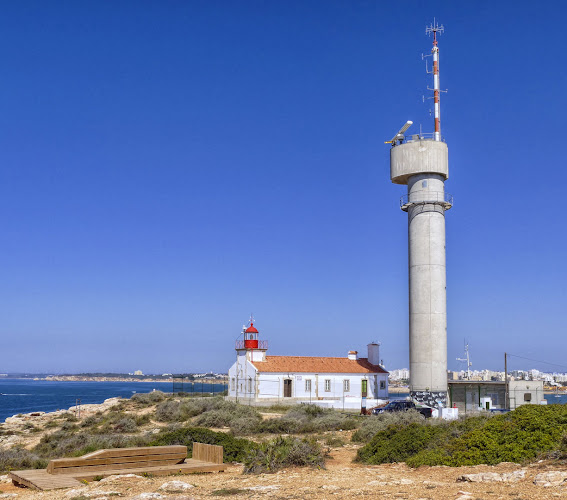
(537, 361)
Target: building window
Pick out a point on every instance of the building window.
(382, 384)
(364, 388)
(232, 384)
(494, 397)
(308, 385)
(346, 385)
(327, 385)
(527, 396)
(250, 384)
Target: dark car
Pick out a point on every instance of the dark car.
(403, 406)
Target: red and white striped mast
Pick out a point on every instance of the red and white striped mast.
(435, 28)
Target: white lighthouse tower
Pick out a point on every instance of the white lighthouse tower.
(421, 162)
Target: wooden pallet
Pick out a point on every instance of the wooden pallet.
(154, 460)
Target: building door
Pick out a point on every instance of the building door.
(287, 388)
(364, 388)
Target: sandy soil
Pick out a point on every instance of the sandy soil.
(341, 479)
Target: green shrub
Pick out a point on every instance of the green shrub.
(284, 452)
(376, 423)
(519, 436)
(235, 449)
(397, 443)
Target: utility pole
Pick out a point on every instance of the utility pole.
(506, 400)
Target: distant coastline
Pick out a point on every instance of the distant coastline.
(116, 378)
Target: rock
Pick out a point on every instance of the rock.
(330, 487)
(265, 488)
(464, 495)
(148, 496)
(396, 482)
(175, 487)
(552, 478)
(493, 477)
(513, 477)
(377, 483)
(8, 495)
(74, 493)
(121, 477)
(5, 479)
(99, 494)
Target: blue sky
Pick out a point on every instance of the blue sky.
(166, 168)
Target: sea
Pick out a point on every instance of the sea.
(26, 395)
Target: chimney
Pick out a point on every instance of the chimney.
(374, 353)
(353, 355)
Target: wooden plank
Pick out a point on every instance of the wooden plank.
(124, 465)
(56, 464)
(158, 471)
(208, 453)
(141, 450)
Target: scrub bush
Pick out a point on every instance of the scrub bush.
(148, 398)
(376, 423)
(284, 452)
(518, 436)
(126, 425)
(18, 458)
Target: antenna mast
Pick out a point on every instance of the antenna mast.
(468, 360)
(435, 28)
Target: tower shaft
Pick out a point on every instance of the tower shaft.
(427, 286)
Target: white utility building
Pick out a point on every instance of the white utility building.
(345, 382)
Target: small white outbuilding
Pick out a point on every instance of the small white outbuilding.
(340, 382)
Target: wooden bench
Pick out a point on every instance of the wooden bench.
(154, 460)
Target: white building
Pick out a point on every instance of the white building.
(346, 382)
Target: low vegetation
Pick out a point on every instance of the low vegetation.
(19, 458)
(284, 452)
(519, 436)
(235, 449)
(157, 419)
(372, 425)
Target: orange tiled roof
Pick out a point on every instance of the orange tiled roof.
(312, 364)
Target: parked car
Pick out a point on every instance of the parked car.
(403, 406)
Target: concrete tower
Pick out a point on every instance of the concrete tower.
(421, 163)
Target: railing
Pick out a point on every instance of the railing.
(262, 344)
(426, 197)
(424, 136)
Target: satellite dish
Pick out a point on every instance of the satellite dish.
(400, 135)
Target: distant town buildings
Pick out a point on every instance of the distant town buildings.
(399, 375)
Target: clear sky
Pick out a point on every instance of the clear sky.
(169, 167)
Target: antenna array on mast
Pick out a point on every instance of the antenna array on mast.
(435, 28)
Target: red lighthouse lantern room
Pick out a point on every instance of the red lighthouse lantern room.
(251, 337)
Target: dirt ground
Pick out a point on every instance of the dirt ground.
(340, 479)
